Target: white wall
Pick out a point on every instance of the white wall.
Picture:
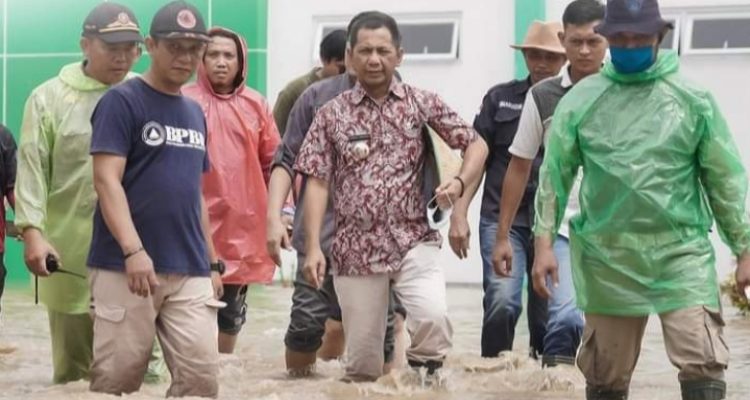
(485, 60)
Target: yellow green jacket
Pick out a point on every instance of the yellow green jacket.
(659, 165)
(54, 185)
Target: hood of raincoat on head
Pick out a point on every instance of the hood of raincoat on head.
(666, 63)
(239, 80)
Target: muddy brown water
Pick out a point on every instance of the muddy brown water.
(256, 370)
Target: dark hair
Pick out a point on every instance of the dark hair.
(582, 12)
(332, 46)
(238, 79)
(373, 20)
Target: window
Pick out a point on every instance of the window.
(423, 37)
(672, 40)
(718, 34)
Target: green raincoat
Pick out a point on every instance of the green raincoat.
(54, 186)
(659, 164)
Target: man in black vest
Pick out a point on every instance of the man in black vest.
(496, 123)
(585, 50)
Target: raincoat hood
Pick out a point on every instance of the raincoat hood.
(239, 80)
(73, 76)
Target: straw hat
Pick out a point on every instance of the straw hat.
(542, 36)
(447, 161)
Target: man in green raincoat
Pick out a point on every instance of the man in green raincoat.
(55, 195)
(659, 165)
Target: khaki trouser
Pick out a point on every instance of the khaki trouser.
(181, 312)
(72, 335)
(693, 338)
(420, 286)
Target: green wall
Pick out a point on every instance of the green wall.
(526, 12)
(40, 36)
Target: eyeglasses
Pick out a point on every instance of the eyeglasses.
(176, 50)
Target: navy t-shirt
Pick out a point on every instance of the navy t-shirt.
(163, 138)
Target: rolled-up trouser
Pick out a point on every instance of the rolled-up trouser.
(692, 336)
(311, 307)
(72, 336)
(420, 286)
(565, 324)
(181, 311)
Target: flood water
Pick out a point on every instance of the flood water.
(256, 370)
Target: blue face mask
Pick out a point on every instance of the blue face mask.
(632, 61)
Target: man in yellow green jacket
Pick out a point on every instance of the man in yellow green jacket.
(55, 196)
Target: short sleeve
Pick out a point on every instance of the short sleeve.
(530, 133)
(456, 132)
(112, 125)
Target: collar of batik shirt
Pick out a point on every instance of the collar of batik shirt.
(397, 89)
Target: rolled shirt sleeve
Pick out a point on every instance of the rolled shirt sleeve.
(456, 132)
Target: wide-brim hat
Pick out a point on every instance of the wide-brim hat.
(636, 16)
(542, 36)
(447, 161)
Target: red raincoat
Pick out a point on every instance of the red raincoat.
(242, 139)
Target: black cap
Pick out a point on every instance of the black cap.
(179, 20)
(637, 16)
(112, 23)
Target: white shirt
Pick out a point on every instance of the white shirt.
(532, 134)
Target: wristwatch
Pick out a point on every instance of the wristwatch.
(219, 267)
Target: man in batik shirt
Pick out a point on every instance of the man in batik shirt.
(368, 142)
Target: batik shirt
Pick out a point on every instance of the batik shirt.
(378, 203)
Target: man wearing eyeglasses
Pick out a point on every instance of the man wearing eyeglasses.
(54, 191)
(151, 249)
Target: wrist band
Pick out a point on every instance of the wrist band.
(132, 253)
(463, 185)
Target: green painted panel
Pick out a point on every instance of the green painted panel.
(2, 31)
(526, 12)
(55, 29)
(245, 17)
(62, 21)
(256, 79)
(24, 74)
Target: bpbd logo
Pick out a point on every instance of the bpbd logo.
(155, 134)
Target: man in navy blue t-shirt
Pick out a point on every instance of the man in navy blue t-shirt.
(150, 258)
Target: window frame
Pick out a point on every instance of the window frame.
(677, 19)
(341, 22)
(690, 18)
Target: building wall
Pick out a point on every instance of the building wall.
(37, 37)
